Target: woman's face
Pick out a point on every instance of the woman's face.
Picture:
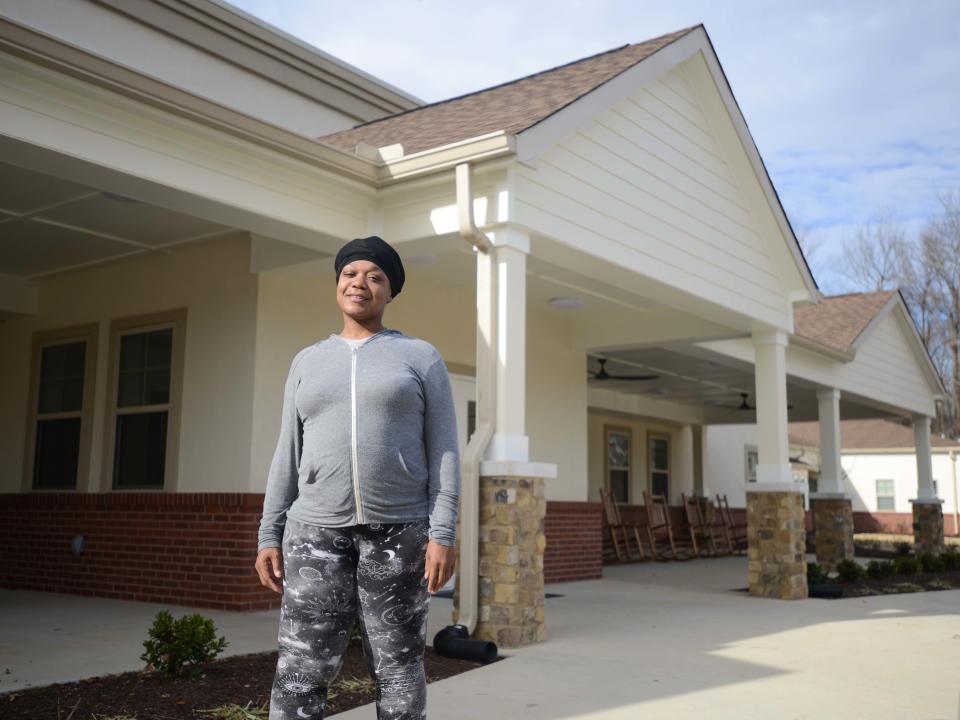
(363, 290)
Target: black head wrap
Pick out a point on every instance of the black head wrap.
(376, 250)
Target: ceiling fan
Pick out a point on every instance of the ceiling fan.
(602, 374)
(744, 405)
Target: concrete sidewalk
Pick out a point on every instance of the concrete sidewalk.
(672, 640)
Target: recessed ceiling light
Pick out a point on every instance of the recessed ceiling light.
(565, 303)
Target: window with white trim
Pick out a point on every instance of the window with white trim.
(886, 495)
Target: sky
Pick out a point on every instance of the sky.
(854, 106)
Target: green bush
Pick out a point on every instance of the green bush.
(181, 647)
(930, 563)
(877, 569)
(850, 570)
(904, 549)
(951, 559)
(907, 566)
(816, 575)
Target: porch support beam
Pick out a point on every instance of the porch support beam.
(773, 467)
(510, 441)
(831, 477)
(927, 508)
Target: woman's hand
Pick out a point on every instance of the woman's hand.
(269, 564)
(441, 559)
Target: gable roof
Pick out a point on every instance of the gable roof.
(512, 107)
(863, 434)
(838, 320)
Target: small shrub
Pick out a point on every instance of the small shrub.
(939, 584)
(904, 549)
(850, 570)
(182, 646)
(906, 566)
(951, 560)
(930, 563)
(903, 587)
(878, 569)
(816, 575)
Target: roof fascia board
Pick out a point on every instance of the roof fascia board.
(935, 450)
(820, 348)
(255, 46)
(46, 51)
(546, 133)
(483, 147)
(874, 321)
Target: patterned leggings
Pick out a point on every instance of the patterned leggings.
(326, 570)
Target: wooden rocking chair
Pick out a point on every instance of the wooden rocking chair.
(736, 531)
(659, 529)
(619, 530)
(716, 527)
(696, 526)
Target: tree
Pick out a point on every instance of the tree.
(872, 261)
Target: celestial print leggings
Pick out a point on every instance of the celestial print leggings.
(325, 572)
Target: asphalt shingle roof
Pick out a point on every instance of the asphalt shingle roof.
(512, 107)
(838, 320)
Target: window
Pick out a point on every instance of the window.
(659, 462)
(886, 497)
(63, 369)
(618, 462)
(145, 377)
(751, 457)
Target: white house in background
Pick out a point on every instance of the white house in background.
(879, 468)
(175, 179)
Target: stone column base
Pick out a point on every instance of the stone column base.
(512, 541)
(776, 545)
(927, 527)
(832, 530)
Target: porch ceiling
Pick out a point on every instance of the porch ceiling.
(692, 377)
(49, 224)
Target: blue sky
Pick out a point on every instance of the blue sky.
(855, 106)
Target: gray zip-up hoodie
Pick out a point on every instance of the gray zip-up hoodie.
(368, 434)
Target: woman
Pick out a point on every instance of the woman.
(362, 495)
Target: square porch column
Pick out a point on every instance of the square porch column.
(927, 507)
(832, 509)
(510, 441)
(776, 535)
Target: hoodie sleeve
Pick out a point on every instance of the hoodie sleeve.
(443, 452)
(285, 469)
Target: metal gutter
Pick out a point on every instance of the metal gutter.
(468, 570)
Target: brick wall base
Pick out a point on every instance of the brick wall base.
(776, 545)
(574, 541)
(193, 549)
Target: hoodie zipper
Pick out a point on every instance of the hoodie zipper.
(353, 434)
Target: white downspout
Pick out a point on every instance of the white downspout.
(468, 572)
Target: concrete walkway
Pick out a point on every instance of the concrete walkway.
(671, 640)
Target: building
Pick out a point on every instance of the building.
(177, 177)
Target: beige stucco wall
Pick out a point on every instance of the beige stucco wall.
(212, 280)
(297, 310)
(683, 471)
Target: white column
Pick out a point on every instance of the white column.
(921, 434)
(831, 473)
(773, 462)
(684, 470)
(510, 441)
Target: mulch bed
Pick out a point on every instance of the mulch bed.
(900, 584)
(147, 695)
